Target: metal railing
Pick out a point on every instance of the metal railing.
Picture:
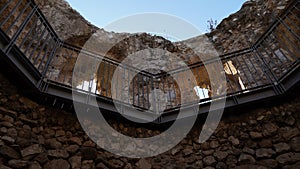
(269, 61)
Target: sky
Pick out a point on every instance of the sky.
(196, 12)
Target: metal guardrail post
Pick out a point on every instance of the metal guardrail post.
(52, 54)
(24, 24)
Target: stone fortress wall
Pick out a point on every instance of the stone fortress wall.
(36, 136)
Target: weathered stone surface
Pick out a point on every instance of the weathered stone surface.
(294, 166)
(221, 165)
(87, 164)
(42, 158)
(268, 163)
(72, 149)
(187, 151)
(75, 161)
(102, 166)
(290, 120)
(88, 153)
(291, 133)
(264, 153)
(53, 143)
(288, 158)
(295, 144)
(75, 140)
(35, 165)
(142, 163)
(28, 103)
(31, 150)
(266, 143)
(57, 164)
(250, 167)
(246, 159)
(8, 139)
(214, 144)
(58, 153)
(248, 151)
(231, 161)
(209, 161)
(270, 129)
(4, 167)
(17, 163)
(282, 147)
(220, 155)
(256, 135)
(9, 152)
(234, 140)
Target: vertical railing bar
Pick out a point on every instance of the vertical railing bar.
(5, 6)
(163, 83)
(157, 97)
(293, 23)
(269, 56)
(239, 76)
(295, 6)
(50, 59)
(34, 37)
(202, 93)
(279, 48)
(292, 43)
(70, 56)
(123, 80)
(54, 60)
(64, 54)
(38, 43)
(94, 77)
(133, 94)
(143, 91)
(11, 13)
(263, 64)
(153, 95)
(169, 89)
(236, 82)
(291, 11)
(23, 25)
(148, 98)
(291, 53)
(47, 50)
(42, 48)
(173, 84)
(18, 17)
(67, 58)
(28, 33)
(117, 82)
(254, 67)
(268, 66)
(79, 73)
(129, 80)
(272, 51)
(289, 29)
(241, 66)
(102, 80)
(138, 89)
(108, 80)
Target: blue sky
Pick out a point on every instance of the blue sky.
(197, 12)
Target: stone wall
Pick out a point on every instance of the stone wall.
(36, 136)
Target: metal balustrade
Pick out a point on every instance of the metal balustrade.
(268, 68)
